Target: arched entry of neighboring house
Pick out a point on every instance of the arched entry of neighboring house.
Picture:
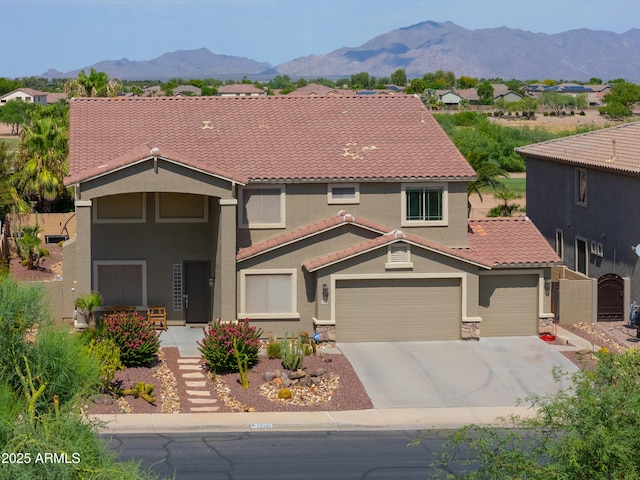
(610, 297)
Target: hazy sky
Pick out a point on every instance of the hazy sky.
(70, 34)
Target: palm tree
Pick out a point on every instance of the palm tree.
(41, 163)
(88, 304)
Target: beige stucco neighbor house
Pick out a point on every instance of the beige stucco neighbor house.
(345, 216)
(28, 95)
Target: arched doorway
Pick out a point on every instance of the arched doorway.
(610, 297)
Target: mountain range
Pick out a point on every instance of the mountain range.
(425, 47)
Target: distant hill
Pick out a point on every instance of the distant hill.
(185, 64)
(425, 47)
(495, 52)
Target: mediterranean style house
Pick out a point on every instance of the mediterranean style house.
(582, 193)
(28, 95)
(344, 216)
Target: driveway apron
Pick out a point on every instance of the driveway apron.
(486, 373)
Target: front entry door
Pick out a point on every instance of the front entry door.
(197, 292)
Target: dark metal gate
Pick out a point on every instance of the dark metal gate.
(610, 297)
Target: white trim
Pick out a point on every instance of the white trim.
(424, 223)
(228, 201)
(399, 276)
(142, 263)
(143, 201)
(83, 203)
(294, 314)
(241, 220)
(397, 265)
(343, 201)
(203, 219)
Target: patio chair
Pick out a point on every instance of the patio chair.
(157, 315)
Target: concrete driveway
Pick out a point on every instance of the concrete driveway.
(486, 373)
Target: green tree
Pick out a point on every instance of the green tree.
(595, 81)
(96, 84)
(467, 82)
(591, 431)
(399, 77)
(167, 87)
(7, 85)
(554, 100)
(41, 161)
(15, 113)
(620, 100)
(8, 195)
(361, 80)
(485, 93)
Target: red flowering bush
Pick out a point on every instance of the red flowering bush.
(136, 338)
(217, 345)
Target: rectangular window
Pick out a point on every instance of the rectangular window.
(123, 208)
(581, 187)
(582, 259)
(343, 193)
(560, 244)
(268, 294)
(181, 207)
(424, 205)
(262, 207)
(121, 282)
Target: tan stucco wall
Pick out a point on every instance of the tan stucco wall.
(379, 202)
(161, 245)
(292, 257)
(577, 300)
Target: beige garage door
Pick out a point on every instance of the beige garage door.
(508, 305)
(397, 309)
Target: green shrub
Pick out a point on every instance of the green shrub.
(135, 337)
(293, 352)
(107, 354)
(61, 361)
(273, 347)
(217, 345)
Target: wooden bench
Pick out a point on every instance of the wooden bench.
(157, 315)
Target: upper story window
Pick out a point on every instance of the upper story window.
(343, 193)
(424, 204)
(262, 207)
(122, 208)
(181, 207)
(581, 187)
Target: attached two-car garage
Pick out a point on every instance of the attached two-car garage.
(406, 309)
(398, 309)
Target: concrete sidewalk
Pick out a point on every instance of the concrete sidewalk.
(378, 419)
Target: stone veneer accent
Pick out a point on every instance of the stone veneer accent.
(326, 333)
(470, 331)
(545, 325)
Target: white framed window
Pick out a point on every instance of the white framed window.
(343, 193)
(122, 208)
(424, 204)
(174, 207)
(121, 282)
(398, 257)
(268, 294)
(262, 207)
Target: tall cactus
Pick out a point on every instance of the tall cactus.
(293, 352)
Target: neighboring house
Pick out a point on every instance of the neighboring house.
(582, 193)
(449, 97)
(187, 90)
(241, 90)
(501, 91)
(56, 97)
(28, 95)
(316, 90)
(346, 216)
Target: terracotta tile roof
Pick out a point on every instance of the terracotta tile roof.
(513, 242)
(268, 139)
(492, 244)
(316, 89)
(616, 148)
(343, 218)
